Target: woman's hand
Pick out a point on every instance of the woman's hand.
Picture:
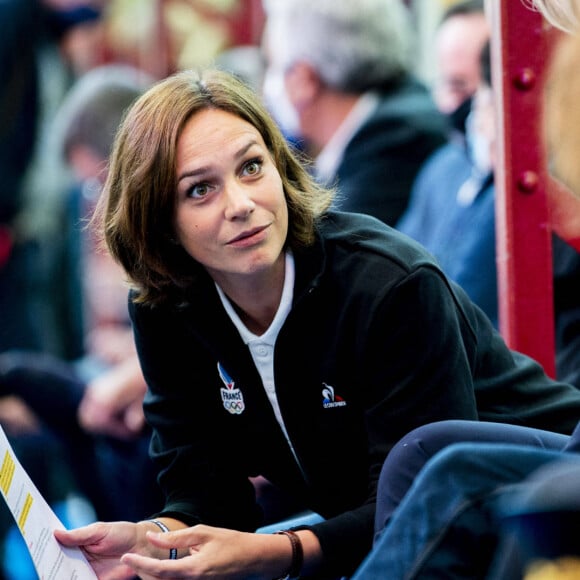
(103, 544)
(214, 553)
(123, 550)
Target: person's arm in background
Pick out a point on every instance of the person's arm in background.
(113, 401)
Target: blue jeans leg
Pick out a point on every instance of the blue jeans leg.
(541, 519)
(462, 477)
(415, 449)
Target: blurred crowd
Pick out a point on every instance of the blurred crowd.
(420, 153)
(68, 71)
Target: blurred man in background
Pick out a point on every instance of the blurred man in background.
(339, 79)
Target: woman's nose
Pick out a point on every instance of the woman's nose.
(239, 203)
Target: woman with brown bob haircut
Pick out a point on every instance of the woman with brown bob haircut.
(138, 203)
(280, 339)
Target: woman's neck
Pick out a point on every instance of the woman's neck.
(256, 300)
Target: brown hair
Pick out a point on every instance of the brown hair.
(136, 210)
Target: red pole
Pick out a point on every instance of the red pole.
(247, 22)
(524, 254)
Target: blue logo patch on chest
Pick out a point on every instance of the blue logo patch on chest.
(232, 398)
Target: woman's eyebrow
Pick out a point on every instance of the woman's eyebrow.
(243, 150)
(205, 168)
(193, 173)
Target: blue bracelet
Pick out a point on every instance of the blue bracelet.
(164, 528)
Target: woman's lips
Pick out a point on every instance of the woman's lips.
(248, 237)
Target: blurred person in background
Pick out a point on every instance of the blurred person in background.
(20, 25)
(561, 125)
(93, 293)
(91, 407)
(27, 33)
(352, 102)
(101, 392)
(36, 69)
(563, 14)
(474, 506)
(452, 207)
(459, 40)
(71, 43)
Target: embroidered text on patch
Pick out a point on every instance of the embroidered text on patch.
(232, 398)
(329, 399)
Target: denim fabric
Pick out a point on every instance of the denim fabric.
(415, 449)
(541, 520)
(455, 488)
(436, 494)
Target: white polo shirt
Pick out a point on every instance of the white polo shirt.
(262, 347)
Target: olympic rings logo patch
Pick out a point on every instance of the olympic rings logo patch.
(233, 401)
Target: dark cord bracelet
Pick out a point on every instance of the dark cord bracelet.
(297, 554)
(165, 529)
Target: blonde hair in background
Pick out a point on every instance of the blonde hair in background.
(563, 14)
(562, 113)
(567, 568)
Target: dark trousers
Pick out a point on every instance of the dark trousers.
(438, 493)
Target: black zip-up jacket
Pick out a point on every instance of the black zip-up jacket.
(378, 341)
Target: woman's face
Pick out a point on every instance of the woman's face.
(231, 214)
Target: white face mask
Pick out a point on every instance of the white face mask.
(478, 147)
(277, 101)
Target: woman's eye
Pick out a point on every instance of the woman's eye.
(253, 167)
(198, 190)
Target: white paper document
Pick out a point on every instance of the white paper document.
(37, 522)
